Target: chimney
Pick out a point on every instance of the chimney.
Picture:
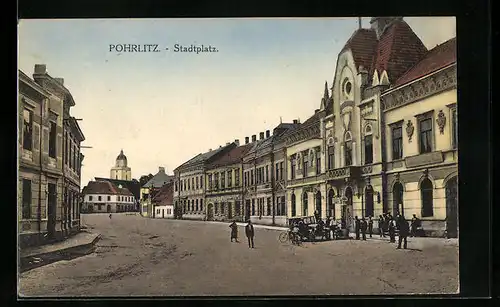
(161, 169)
(261, 135)
(247, 139)
(60, 80)
(254, 138)
(295, 121)
(40, 69)
(237, 142)
(268, 133)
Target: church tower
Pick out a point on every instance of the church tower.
(121, 171)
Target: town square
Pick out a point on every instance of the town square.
(329, 168)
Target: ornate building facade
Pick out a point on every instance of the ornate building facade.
(121, 171)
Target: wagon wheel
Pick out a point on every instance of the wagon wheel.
(283, 237)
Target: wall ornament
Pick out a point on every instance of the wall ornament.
(441, 121)
(409, 130)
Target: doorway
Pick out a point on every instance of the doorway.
(51, 210)
(452, 208)
(162, 213)
(331, 204)
(397, 199)
(369, 201)
(318, 203)
(347, 209)
(210, 212)
(108, 208)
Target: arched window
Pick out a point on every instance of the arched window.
(197, 202)
(331, 157)
(304, 204)
(348, 149)
(331, 204)
(426, 194)
(397, 198)
(294, 205)
(318, 203)
(369, 201)
(368, 145)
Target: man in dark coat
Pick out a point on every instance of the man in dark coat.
(356, 226)
(392, 230)
(250, 233)
(234, 231)
(317, 217)
(363, 225)
(370, 226)
(415, 224)
(381, 226)
(404, 230)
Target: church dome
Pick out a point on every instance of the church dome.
(121, 160)
(121, 156)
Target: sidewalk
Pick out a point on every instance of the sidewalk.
(254, 225)
(80, 244)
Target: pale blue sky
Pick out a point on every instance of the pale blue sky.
(163, 108)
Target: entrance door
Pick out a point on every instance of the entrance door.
(318, 203)
(210, 212)
(347, 209)
(163, 213)
(331, 204)
(108, 208)
(452, 208)
(51, 210)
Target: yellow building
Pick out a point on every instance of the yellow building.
(121, 171)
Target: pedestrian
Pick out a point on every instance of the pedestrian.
(110, 216)
(363, 226)
(415, 223)
(381, 226)
(316, 216)
(392, 230)
(250, 234)
(403, 231)
(234, 231)
(356, 226)
(370, 226)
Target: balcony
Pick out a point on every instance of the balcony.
(343, 173)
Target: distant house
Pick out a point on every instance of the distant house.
(163, 202)
(132, 185)
(149, 188)
(104, 196)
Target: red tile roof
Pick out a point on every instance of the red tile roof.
(165, 195)
(398, 49)
(105, 187)
(231, 157)
(439, 57)
(362, 45)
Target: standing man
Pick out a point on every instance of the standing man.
(381, 226)
(250, 233)
(316, 216)
(403, 231)
(363, 226)
(415, 223)
(356, 226)
(234, 231)
(370, 226)
(392, 230)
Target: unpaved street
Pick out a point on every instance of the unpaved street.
(139, 257)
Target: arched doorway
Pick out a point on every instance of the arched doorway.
(369, 201)
(294, 205)
(427, 197)
(108, 208)
(305, 205)
(347, 209)
(397, 199)
(210, 212)
(331, 204)
(318, 203)
(452, 207)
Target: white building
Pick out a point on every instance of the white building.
(163, 202)
(104, 196)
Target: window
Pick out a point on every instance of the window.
(229, 178)
(90, 198)
(52, 140)
(397, 142)
(348, 153)
(454, 128)
(267, 173)
(201, 204)
(369, 201)
(304, 204)
(201, 182)
(292, 167)
(282, 206)
(281, 170)
(368, 149)
(28, 129)
(176, 186)
(222, 208)
(426, 195)
(237, 207)
(331, 157)
(294, 209)
(305, 163)
(197, 206)
(210, 181)
(189, 184)
(277, 176)
(425, 126)
(269, 205)
(397, 198)
(237, 177)
(253, 206)
(318, 164)
(66, 149)
(216, 209)
(99, 198)
(251, 177)
(26, 202)
(216, 181)
(222, 180)
(197, 182)
(192, 182)
(99, 207)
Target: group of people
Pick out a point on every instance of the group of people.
(249, 232)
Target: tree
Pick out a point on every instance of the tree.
(144, 179)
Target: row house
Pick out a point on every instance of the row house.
(224, 185)
(49, 174)
(163, 202)
(147, 190)
(189, 185)
(106, 197)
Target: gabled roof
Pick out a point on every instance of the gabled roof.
(164, 196)
(206, 157)
(231, 157)
(132, 185)
(105, 187)
(437, 58)
(159, 180)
